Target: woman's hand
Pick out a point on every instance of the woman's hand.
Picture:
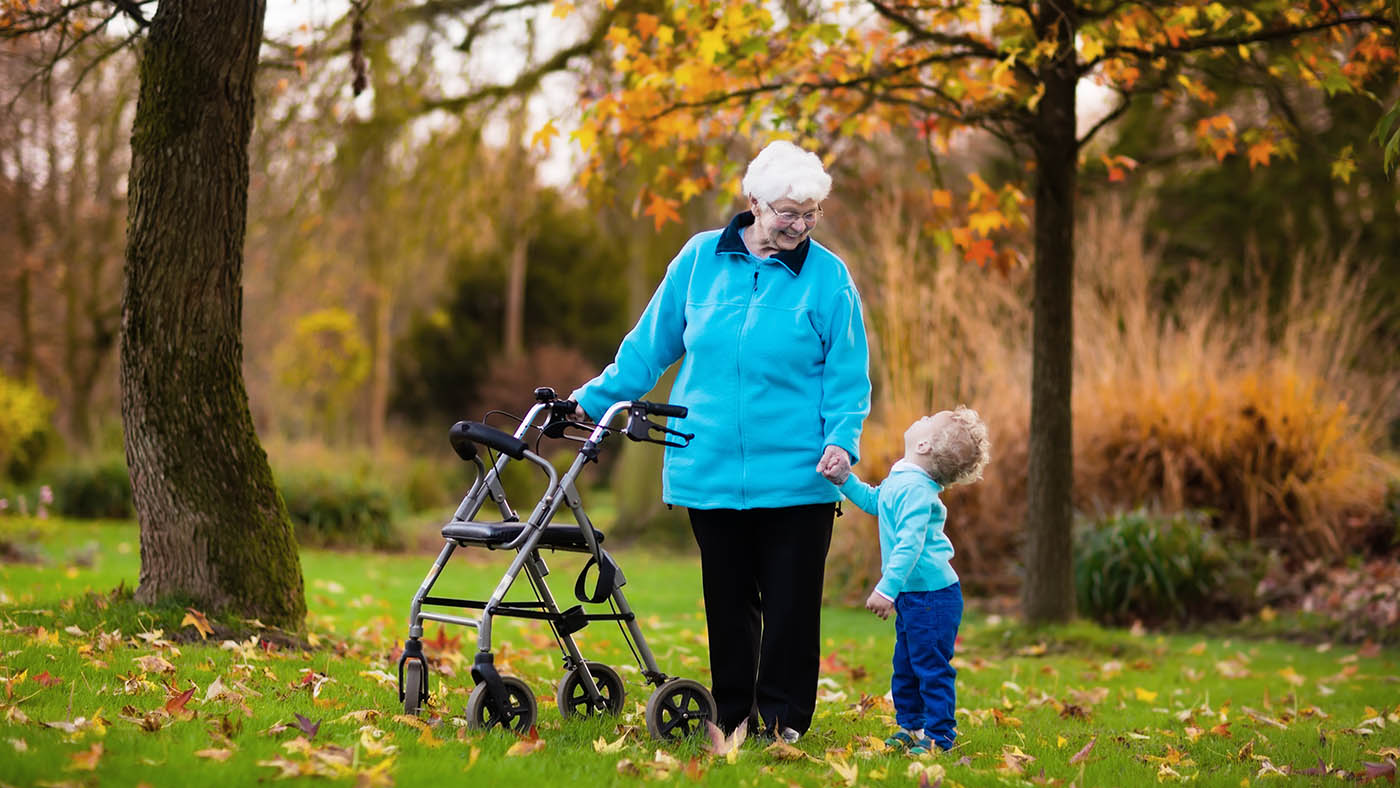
(878, 605)
(835, 465)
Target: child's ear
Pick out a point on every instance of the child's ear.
(924, 446)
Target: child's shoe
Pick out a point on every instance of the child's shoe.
(923, 746)
(900, 740)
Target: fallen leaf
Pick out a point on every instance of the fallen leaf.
(154, 663)
(86, 760)
(602, 745)
(1320, 770)
(44, 679)
(1146, 696)
(1084, 753)
(220, 755)
(1375, 771)
(196, 619)
(308, 727)
(785, 752)
(848, 772)
(720, 745)
(176, 702)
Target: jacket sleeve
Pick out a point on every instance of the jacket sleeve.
(648, 349)
(917, 514)
(845, 375)
(862, 494)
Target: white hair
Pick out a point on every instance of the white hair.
(962, 450)
(783, 170)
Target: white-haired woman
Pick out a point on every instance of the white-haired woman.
(776, 377)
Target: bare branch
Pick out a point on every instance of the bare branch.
(1125, 101)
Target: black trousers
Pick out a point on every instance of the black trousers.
(762, 571)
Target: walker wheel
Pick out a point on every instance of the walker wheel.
(572, 696)
(412, 686)
(519, 703)
(679, 708)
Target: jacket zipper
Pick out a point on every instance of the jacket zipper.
(739, 375)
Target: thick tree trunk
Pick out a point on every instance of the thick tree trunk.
(213, 528)
(1048, 593)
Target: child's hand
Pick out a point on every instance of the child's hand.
(835, 465)
(878, 605)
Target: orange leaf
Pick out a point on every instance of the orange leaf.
(646, 25)
(86, 760)
(980, 252)
(196, 619)
(662, 210)
(1259, 153)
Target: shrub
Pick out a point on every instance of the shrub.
(1156, 568)
(99, 488)
(25, 430)
(338, 510)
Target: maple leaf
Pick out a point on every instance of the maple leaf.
(531, 743)
(542, 138)
(306, 726)
(177, 700)
(1146, 696)
(711, 45)
(86, 760)
(1375, 771)
(602, 745)
(848, 772)
(1260, 152)
(646, 25)
(220, 755)
(153, 663)
(723, 746)
(662, 210)
(443, 643)
(785, 752)
(44, 679)
(196, 619)
(980, 252)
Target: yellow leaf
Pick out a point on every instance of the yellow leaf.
(984, 222)
(562, 8)
(602, 745)
(1091, 49)
(1145, 696)
(1198, 649)
(712, 45)
(1061, 741)
(544, 136)
(196, 619)
(525, 747)
(1292, 676)
(848, 772)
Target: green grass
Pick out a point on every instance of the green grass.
(1186, 703)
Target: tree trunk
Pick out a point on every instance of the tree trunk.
(213, 528)
(1048, 593)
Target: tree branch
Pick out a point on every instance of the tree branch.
(1125, 101)
(973, 45)
(1277, 34)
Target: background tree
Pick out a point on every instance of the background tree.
(214, 531)
(695, 73)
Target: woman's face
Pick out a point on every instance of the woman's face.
(784, 223)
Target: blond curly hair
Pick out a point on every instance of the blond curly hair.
(959, 453)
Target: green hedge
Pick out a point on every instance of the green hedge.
(93, 489)
(331, 509)
(1159, 568)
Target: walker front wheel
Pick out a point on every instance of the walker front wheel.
(520, 712)
(679, 708)
(573, 696)
(412, 687)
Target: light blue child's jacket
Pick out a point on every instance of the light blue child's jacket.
(914, 551)
(776, 368)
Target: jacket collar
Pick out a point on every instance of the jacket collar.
(905, 465)
(730, 241)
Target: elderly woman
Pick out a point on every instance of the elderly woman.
(776, 377)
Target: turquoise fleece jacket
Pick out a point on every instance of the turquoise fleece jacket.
(914, 551)
(775, 369)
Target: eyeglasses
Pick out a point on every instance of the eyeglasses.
(790, 217)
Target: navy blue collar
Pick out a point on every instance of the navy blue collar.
(731, 241)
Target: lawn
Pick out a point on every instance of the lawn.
(97, 691)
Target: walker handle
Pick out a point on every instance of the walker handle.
(663, 409)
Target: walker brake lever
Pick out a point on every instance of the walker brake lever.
(639, 428)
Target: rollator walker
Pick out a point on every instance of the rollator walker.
(677, 707)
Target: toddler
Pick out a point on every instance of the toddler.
(917, 582)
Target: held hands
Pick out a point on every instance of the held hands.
(835, 465)
(879, 605)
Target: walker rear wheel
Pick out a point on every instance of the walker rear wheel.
(679, 708)
(573, 696)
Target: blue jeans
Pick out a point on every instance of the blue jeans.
(926, 625)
